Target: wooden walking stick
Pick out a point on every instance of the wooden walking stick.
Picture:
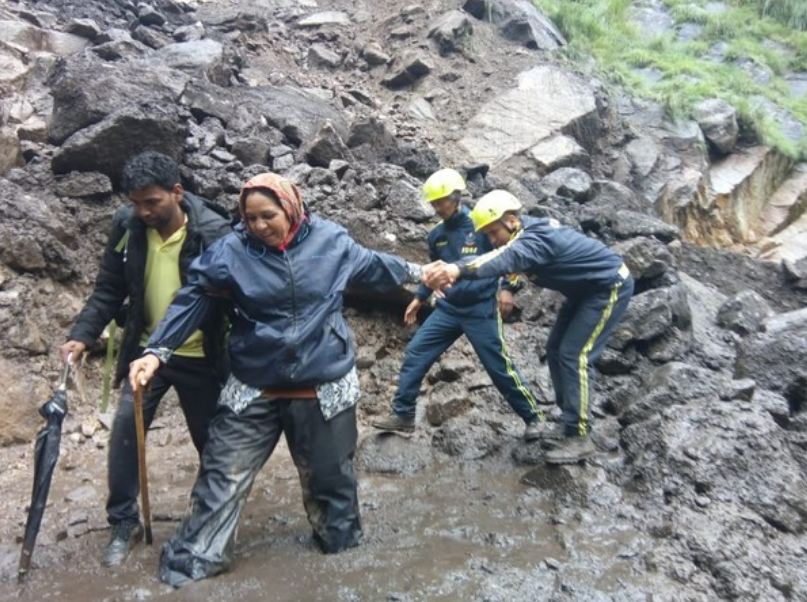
(141, 460)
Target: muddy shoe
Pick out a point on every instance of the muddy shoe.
(534, 430)
(571, 450)
(553, 433)
(124, 536)
(393, 422)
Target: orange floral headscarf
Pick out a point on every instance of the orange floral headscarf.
(287, 194)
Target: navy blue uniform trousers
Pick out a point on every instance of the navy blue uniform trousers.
(486, 335)
(577, 340)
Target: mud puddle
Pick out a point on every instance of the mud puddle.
(453, 531)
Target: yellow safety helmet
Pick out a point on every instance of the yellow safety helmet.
(441, 184)
(492, 207)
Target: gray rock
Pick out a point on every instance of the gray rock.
(628, 224)
(190, 33)
(742, 389)
(85, 90)
(251, 150)
(652, 314)
(404, 201)
(389, 453)
(324, 18)
(643, 153)
(744, 313)
(374, 55)
(776, 358)
(326, 147)
(150, 37)
(651, 19)
(200, 55)
(116, 45)
(83, 185)
(282, 163)
(446, 400)
(81, 495)
(421, 109)
(451, 31)
(791, 127)
(319, 55)
(10, 152)
(519, 21)
(568, 182)
(645, 257)
(149, 16)
(107, 145)
(467, 438)
(297, 114)
(718, 120)
(558, 151)
(86, 28)
(520, 118)
(410, 69)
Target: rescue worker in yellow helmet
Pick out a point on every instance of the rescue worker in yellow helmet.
(597, 286)
(470, 308)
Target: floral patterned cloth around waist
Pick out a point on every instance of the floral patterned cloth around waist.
(334, 397)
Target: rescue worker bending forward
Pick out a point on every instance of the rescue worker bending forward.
(597, 286)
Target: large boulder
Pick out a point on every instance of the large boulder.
(718, 120)
(744, 313)
(519, 21)
(107, 145)
(85, 90)
(451, 31)
(652, 314)
(547, 100)
(295, 112)
(645, 257)
(197, 56)
(777, 358)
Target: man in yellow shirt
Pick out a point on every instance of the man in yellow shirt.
(153, 242)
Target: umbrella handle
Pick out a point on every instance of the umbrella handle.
(65, 372)
(141, 461)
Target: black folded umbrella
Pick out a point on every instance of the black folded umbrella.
(46, 453)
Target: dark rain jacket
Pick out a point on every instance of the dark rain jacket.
(122, 276)
(552, 256)
(452, 240)
(287, 329)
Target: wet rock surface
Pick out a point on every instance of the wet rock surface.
(697, 490)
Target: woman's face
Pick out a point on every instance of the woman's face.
(265, 219)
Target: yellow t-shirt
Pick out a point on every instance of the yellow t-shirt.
(162, 282)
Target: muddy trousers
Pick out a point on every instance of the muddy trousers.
(198, 391)
(486, 336)
(239, 445)
(575, 343)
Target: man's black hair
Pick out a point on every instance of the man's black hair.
(149, 169)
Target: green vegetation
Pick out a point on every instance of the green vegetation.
(715, 61)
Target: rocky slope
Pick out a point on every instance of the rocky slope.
(699, 491)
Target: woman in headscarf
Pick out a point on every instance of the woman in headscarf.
(293, 370)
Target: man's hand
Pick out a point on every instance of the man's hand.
(440, 275)
(142, 370)
(506, 302)
(411, 313)
(73, 348)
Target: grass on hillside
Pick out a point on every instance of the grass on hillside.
(602, 29)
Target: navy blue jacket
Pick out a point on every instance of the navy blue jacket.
(452, 240)
(288, 329)
(552, 256)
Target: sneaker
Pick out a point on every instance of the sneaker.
(393, 422)
(124, 537)
(571, 450)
